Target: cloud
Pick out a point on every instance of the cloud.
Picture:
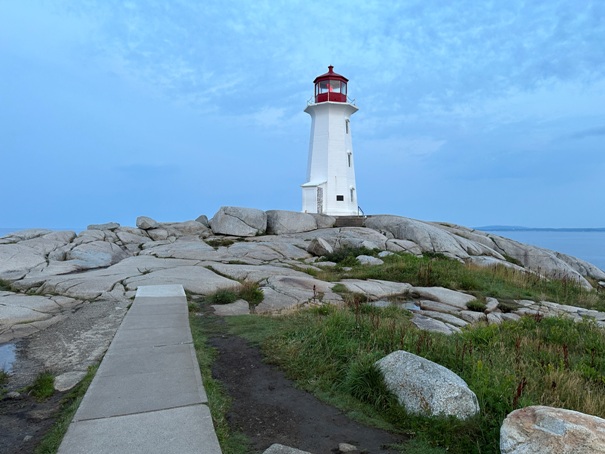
(591, 132)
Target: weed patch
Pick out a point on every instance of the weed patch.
(43, 386)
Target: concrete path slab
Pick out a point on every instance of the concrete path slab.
(147, 395)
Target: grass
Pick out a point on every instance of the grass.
(71, 401)
(4, 377)
(499, 281)
(536, 361)
(347, 256)
(43, 386)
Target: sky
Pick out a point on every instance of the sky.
(470, 112)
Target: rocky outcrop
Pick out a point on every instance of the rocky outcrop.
(49, 274)
(426, 388)
(546, 429)
(236, 221)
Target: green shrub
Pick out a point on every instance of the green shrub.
(223, 296)
(250, 292)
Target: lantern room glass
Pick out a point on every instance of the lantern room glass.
(330, 86)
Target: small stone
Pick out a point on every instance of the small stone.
(346, 447)
(491, 304)
(27, 437)
(282, 449)
(13, 395)
(369, 260)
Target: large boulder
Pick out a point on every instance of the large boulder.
(146, 223)
(187, 228)
(544, 261)
(426, 388)
(429, 238)
(444, 295)
(324, 221)
(16, 260)
(319, 247)
(547, 429)
(348, 237)
(236, 221)
(281, 222)
(97, 254)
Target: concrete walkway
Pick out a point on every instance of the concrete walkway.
(147, 396)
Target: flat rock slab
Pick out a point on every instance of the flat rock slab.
(147, 396)
(239, 307)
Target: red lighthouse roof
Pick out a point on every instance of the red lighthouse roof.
(330, 87)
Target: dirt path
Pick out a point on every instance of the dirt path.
(268, 409)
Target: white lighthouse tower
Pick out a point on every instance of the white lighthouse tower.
(330, 187)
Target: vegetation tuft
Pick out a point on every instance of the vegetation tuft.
(4, 377)
(476, 305)
(218, 242)
(43, 386)
(6, 286)
(248, 291)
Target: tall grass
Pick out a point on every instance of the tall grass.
(536, 361)
(498, 281)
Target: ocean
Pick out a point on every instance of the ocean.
(586, 245)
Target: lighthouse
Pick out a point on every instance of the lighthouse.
(330, 187)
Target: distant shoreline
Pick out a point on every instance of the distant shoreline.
(505, 228)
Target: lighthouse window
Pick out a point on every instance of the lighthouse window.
(340, 198)
(347, 125)
(349, 158)
(329, 86)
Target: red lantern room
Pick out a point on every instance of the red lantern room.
(330, 87)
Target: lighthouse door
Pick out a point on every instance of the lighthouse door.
(320, 200)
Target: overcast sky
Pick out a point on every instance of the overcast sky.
(471, 112)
